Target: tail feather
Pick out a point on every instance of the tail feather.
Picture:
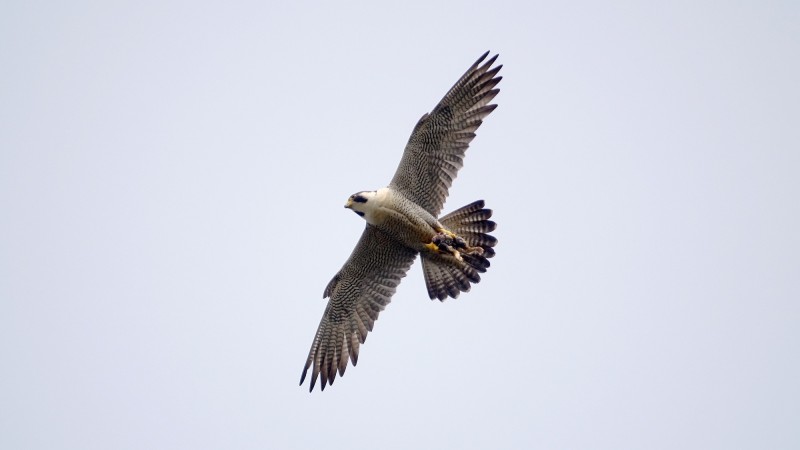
(472, 223)
(448, 275)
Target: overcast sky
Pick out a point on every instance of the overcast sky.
(172, 176)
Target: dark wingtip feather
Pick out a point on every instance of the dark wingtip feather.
(313, 381)
(303, 375)
(491, 60)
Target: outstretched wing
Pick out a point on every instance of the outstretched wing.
(361, 289)
(435, 151)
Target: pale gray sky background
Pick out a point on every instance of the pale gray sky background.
(172, 176)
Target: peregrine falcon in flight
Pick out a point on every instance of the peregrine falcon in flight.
(402, 222)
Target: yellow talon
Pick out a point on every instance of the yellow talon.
(432, 247)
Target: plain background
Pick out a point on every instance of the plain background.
(172, 176)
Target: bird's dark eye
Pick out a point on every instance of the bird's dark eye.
(359, 213)
(359, 199)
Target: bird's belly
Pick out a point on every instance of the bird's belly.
(413, 231)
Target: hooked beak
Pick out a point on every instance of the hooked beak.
(349, 203)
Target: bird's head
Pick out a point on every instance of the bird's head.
(362, 203)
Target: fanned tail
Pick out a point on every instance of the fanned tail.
(454, 270)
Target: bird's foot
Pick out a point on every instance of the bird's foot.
(448, 242)
(473, 250)
(446, 232)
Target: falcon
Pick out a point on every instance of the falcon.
(402, 222)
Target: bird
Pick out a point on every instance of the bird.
(402, 223)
